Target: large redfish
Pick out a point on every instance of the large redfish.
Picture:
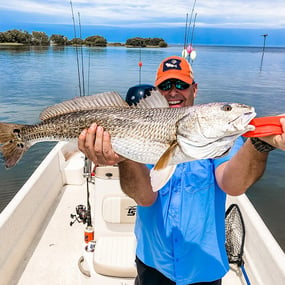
(149, 133)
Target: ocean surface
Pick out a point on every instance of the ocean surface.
(34, 78)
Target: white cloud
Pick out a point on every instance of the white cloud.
(225, 13)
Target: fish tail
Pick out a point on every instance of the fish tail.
(12, 146)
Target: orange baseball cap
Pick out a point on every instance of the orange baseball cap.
(174, 67)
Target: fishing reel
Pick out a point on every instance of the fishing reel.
(81, 215)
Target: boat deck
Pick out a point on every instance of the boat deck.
(56, 255)
(38, 245)
(59, 248)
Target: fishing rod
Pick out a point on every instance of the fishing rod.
(87, 173)
(185, 34)
(192, 52)
(188, 50)
(89, 230)
(76, 49)
(193, 28)
(83, 214)
(190, 22)
(81, 51)
(140, 66)
(88, 74)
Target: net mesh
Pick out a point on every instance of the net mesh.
(235, 235)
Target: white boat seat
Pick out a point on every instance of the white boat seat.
(114, 218)
(119, 210)
(115, 256)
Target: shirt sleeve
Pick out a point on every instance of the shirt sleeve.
(237, 145)
(150, 166)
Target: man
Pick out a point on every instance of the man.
(180, 228)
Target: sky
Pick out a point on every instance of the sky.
(233, 20)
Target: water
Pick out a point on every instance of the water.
(33, 78)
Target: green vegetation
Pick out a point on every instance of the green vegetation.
(146, 42)
(96, 41)
(24, 38)
(15, 36)
(59, 40)
(41, 39)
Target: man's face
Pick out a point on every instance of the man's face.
(178, 93)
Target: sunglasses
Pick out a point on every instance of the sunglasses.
(167, 85)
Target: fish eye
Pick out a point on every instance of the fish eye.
(226, 107)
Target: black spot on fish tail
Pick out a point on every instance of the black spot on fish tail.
(12, 146)
(18, 132)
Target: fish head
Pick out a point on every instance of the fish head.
(209, 130)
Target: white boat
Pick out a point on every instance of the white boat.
(38, 245)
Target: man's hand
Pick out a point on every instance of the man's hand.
(277, 141)
(95, 143)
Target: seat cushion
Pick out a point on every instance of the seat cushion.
(115, 256)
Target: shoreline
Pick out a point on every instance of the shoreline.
(109, 44)
(11, 44)
(117, 44)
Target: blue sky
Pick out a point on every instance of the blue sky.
(227, 21)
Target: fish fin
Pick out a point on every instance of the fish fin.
(160, 177)
(105, 99)
(166, 157)
(11, 144)
(155, 100)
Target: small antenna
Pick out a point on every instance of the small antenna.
(263, 49)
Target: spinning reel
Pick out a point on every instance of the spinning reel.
(81, 215)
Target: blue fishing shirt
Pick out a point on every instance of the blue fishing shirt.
(182, 234)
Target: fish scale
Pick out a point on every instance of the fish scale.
(149, 133)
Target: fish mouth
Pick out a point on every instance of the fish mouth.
(244, 120)
(240, 125)
(250, 115)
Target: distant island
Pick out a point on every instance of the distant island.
(19, 37)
